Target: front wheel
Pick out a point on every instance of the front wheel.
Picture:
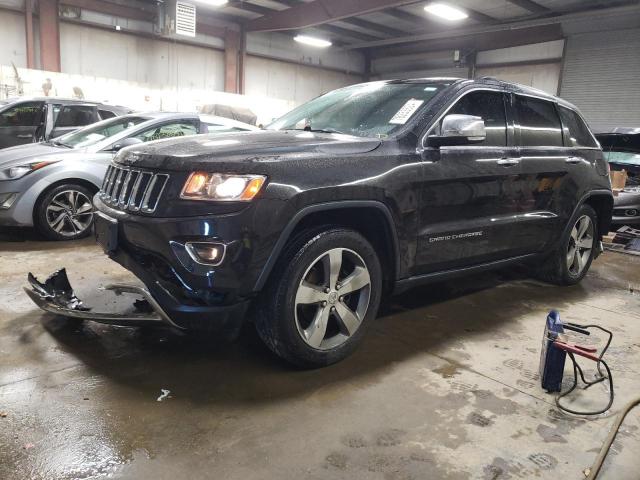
(65, 212)
(570, 262)
(321, 298)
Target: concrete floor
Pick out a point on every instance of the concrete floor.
(445, 386)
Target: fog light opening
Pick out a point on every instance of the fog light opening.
(6, 200)
(206, 253)
(632, 212)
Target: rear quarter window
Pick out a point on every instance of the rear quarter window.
(104, 114)
(539, 122)
(575, 130)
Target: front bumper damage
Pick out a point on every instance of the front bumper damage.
(56, 296)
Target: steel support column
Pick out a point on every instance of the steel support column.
(242, 61)
(49, 35)
(231, 61)
(28, 19)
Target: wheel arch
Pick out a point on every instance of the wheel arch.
(364, 216)
(72, 180)
(602, 203)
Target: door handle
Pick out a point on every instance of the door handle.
(508, 162)
(574, 160)
(25, 135)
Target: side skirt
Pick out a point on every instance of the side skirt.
(407, 283)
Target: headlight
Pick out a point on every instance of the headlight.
(20, 171)
(222, 187)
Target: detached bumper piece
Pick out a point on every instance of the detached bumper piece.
(56, 296)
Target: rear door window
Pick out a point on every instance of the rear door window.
(539, 122)
(76, 116)
(490, 107)
(576, 132)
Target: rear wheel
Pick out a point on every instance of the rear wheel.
(65, 212)
(572, 259)
(321, 298)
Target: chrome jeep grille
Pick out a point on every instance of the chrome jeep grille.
(132, 189)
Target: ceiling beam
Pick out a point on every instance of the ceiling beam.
(356, 22)
(530, 5)
(248, 7)
(403, 15)
(319, 12)
(117, 10)
(345, 32)
(374, 27)
(479, 16)
(631, 9)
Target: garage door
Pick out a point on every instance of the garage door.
(543, 76)
(601, 76)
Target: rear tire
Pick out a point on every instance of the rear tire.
(571, 260)
(65, 212)
(321, 297)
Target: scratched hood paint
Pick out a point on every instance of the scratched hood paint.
(204, 151)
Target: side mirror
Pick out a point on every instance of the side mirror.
(459, 130)
(125, 142)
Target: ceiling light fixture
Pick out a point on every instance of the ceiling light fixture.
(313, 41)
(445, 11)
(214, 3)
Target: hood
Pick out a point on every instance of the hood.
(33, 152)
(235, 150)
(630, 196)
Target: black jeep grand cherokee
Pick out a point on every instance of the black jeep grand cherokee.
(367, 189)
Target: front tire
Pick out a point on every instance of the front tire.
(324, 293)
(65, 212)
(570, 262)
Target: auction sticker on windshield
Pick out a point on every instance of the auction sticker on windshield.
(408, 109)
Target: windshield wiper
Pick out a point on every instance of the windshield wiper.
(325, 130)
(317, 130)
(59, 144)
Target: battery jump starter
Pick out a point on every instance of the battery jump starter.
(556, 348)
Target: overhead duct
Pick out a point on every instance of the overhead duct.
(178, 18)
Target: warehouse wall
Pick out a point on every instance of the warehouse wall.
(92, 51)
(601, 76)
(12, 39)
(96, 52)
(294, 83)
(536, 65)
(281, 46)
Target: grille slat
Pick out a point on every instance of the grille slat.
(132, 189)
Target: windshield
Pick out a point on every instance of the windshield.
(374, 109)
(93, 134)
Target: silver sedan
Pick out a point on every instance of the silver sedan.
(50, 185)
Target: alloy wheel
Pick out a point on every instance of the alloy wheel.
(69, 213)
(332, 298)
(580, 245)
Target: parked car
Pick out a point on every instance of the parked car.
(30, 120)
(622, 150)
(51, 184)
(368, 189)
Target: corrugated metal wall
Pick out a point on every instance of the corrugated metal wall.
(601, 76)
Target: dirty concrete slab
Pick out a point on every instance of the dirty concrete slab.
(444, 386)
